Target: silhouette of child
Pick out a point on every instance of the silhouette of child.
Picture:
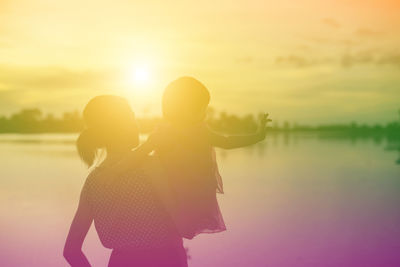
(185, 146)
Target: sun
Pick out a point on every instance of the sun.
(141, 79)
(140, 75)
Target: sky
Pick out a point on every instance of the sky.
(306, 61)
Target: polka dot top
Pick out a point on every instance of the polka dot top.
(127, 211)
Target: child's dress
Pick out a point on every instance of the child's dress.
(193, 176)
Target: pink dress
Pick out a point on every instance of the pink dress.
(193, 176)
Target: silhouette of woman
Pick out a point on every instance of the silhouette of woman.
(128, 212)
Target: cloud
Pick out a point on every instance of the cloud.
(390, 59)
(368, 33)
(354, 38)
(300, 61)
(52, 87)
(303, 47)
(345, 60)
(331, 22)
(244, 60)
(319, 40)
(372, 58)
(349, 60)
(54, 78)
(293, 60)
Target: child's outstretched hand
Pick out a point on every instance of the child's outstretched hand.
(262, 130)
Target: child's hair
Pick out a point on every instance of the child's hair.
(185, 101)
(110, 124)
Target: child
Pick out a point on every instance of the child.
(185, 146)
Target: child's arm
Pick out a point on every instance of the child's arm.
(236, 141)
(135, 156)
(146, 147)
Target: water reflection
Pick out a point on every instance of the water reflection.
(64, 144)
(394, 146)
(294, 200)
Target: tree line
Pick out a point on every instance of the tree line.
(35, 121)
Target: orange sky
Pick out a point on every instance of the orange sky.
(305, 61)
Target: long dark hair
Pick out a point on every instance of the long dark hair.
(110, 124)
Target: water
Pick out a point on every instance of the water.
(292, 201)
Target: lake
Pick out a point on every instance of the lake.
(292, 201)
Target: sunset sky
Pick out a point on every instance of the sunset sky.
(306, 61)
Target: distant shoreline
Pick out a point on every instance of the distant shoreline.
(321, 133)
(33, 121)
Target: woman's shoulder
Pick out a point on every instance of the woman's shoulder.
(100, 174)
(103, 181)
(92, 178)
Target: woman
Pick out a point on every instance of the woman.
(128, 212)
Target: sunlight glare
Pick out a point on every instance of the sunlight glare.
(141, 75)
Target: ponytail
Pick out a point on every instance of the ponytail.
(110, 124)
(87, 146)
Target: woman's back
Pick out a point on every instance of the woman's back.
(127, 212)
(126, 209)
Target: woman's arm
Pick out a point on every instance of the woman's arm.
(77, 233)
(236, 141)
